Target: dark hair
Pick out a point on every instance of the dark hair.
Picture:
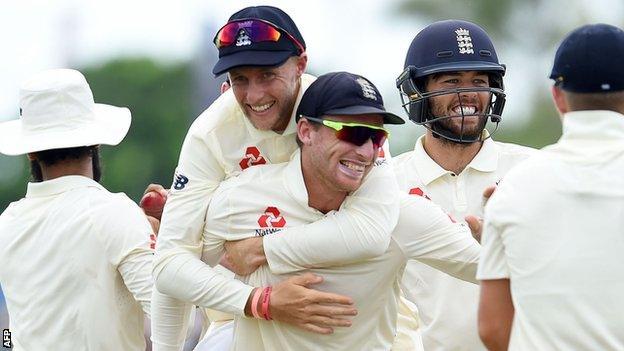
(54, 156)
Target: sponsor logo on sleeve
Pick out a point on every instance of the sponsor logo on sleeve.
(252, 157)
(179, 181)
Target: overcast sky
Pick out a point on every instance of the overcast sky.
(361, 36)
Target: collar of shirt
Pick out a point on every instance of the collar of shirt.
(591, 136)
(60, 185)
(291, 128)
(593, 125)
(293, 180)
(486, 160)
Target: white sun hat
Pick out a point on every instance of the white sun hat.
(57, 111)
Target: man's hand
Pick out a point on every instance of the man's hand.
(476, 226)
(476, 223)
(153, 200)
(155, 223)
(243, 257)
(293, 302)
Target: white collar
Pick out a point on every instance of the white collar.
(60, 185)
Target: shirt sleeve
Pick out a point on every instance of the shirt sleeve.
(427, 234)
(170, 318)
(127, 243)
(360, 230)
(493, 263)
(177, 258)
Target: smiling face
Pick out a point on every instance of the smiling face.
(472, 105)
(337, 166)
(267, 95)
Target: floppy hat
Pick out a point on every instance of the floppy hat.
(57, 111)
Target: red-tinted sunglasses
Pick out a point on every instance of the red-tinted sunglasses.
(355, 133)
(257, 30)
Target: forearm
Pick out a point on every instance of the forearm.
(187, 278)
(360, 230)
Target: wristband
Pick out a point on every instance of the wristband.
(254, 303)
(265, 303)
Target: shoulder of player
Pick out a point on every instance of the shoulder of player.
(250, 180)
(223, 114)
(114, 207)
(307, 79)
(515, 149)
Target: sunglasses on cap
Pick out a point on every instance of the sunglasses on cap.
(257, 30)
(355, 133)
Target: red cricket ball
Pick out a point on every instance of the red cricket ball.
(152, 204)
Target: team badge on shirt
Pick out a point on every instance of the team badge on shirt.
(252, 157)
(270, 222)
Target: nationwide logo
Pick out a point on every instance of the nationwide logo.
(419, 192)
(252, 158)
(271, 221)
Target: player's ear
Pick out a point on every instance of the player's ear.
(560, 100)
(302, 63)
(304, 131)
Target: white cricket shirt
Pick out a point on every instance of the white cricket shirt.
(448, 306)
(555, 228)
(76, 267)
(265, 200)
(221, 143)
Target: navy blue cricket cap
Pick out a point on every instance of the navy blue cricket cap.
(343, 93)
(266, 53)
(590, 60)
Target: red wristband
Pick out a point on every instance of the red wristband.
(265, 303)
(254, 303)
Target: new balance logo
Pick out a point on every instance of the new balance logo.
(252, 158)
(180, 181)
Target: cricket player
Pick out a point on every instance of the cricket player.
(551, 271)
(76, 259)
(453, 86)
(253, 124)
(340, 130)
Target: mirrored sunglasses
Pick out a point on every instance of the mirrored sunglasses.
(256, 30)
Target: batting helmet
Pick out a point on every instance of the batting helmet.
(450, 46)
